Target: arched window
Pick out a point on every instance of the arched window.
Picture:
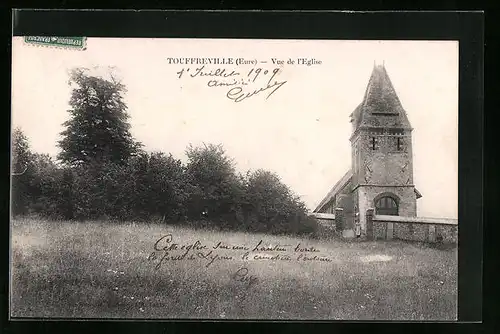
(386, 205)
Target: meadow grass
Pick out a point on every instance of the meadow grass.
(101, 270)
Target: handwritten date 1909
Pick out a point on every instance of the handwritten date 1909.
(253, 74)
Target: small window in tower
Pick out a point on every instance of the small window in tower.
(399, 143)
(374, 143)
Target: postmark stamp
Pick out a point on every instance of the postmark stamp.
(74, 43)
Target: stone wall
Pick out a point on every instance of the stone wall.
(325, 229)
(433, 230)
(413, 232)
(330, 225)
(326, 226)
(379, 230)
(448, 233)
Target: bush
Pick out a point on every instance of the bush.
(205, 192)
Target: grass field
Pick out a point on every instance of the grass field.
(101, 270)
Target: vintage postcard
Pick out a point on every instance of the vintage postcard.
(157, 178)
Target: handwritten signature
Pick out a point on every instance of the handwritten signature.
(237, 94)
(241, 275)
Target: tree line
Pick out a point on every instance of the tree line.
(103, 173)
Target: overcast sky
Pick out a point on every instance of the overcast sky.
(301, 131)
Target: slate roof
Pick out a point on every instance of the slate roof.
(336, 188)
(381, 106)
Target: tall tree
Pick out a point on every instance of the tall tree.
(21, 172)
(97, 130)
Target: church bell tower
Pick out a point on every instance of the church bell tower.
(382, 160)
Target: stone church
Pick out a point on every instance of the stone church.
(381, 174)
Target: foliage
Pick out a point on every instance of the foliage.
(21, 154)
(167, 190)
(216, 191)
(206, 191)
(45, 186)
(97, 131)
(271, 206)
(20, 163)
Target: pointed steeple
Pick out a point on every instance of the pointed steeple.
(380, 106)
